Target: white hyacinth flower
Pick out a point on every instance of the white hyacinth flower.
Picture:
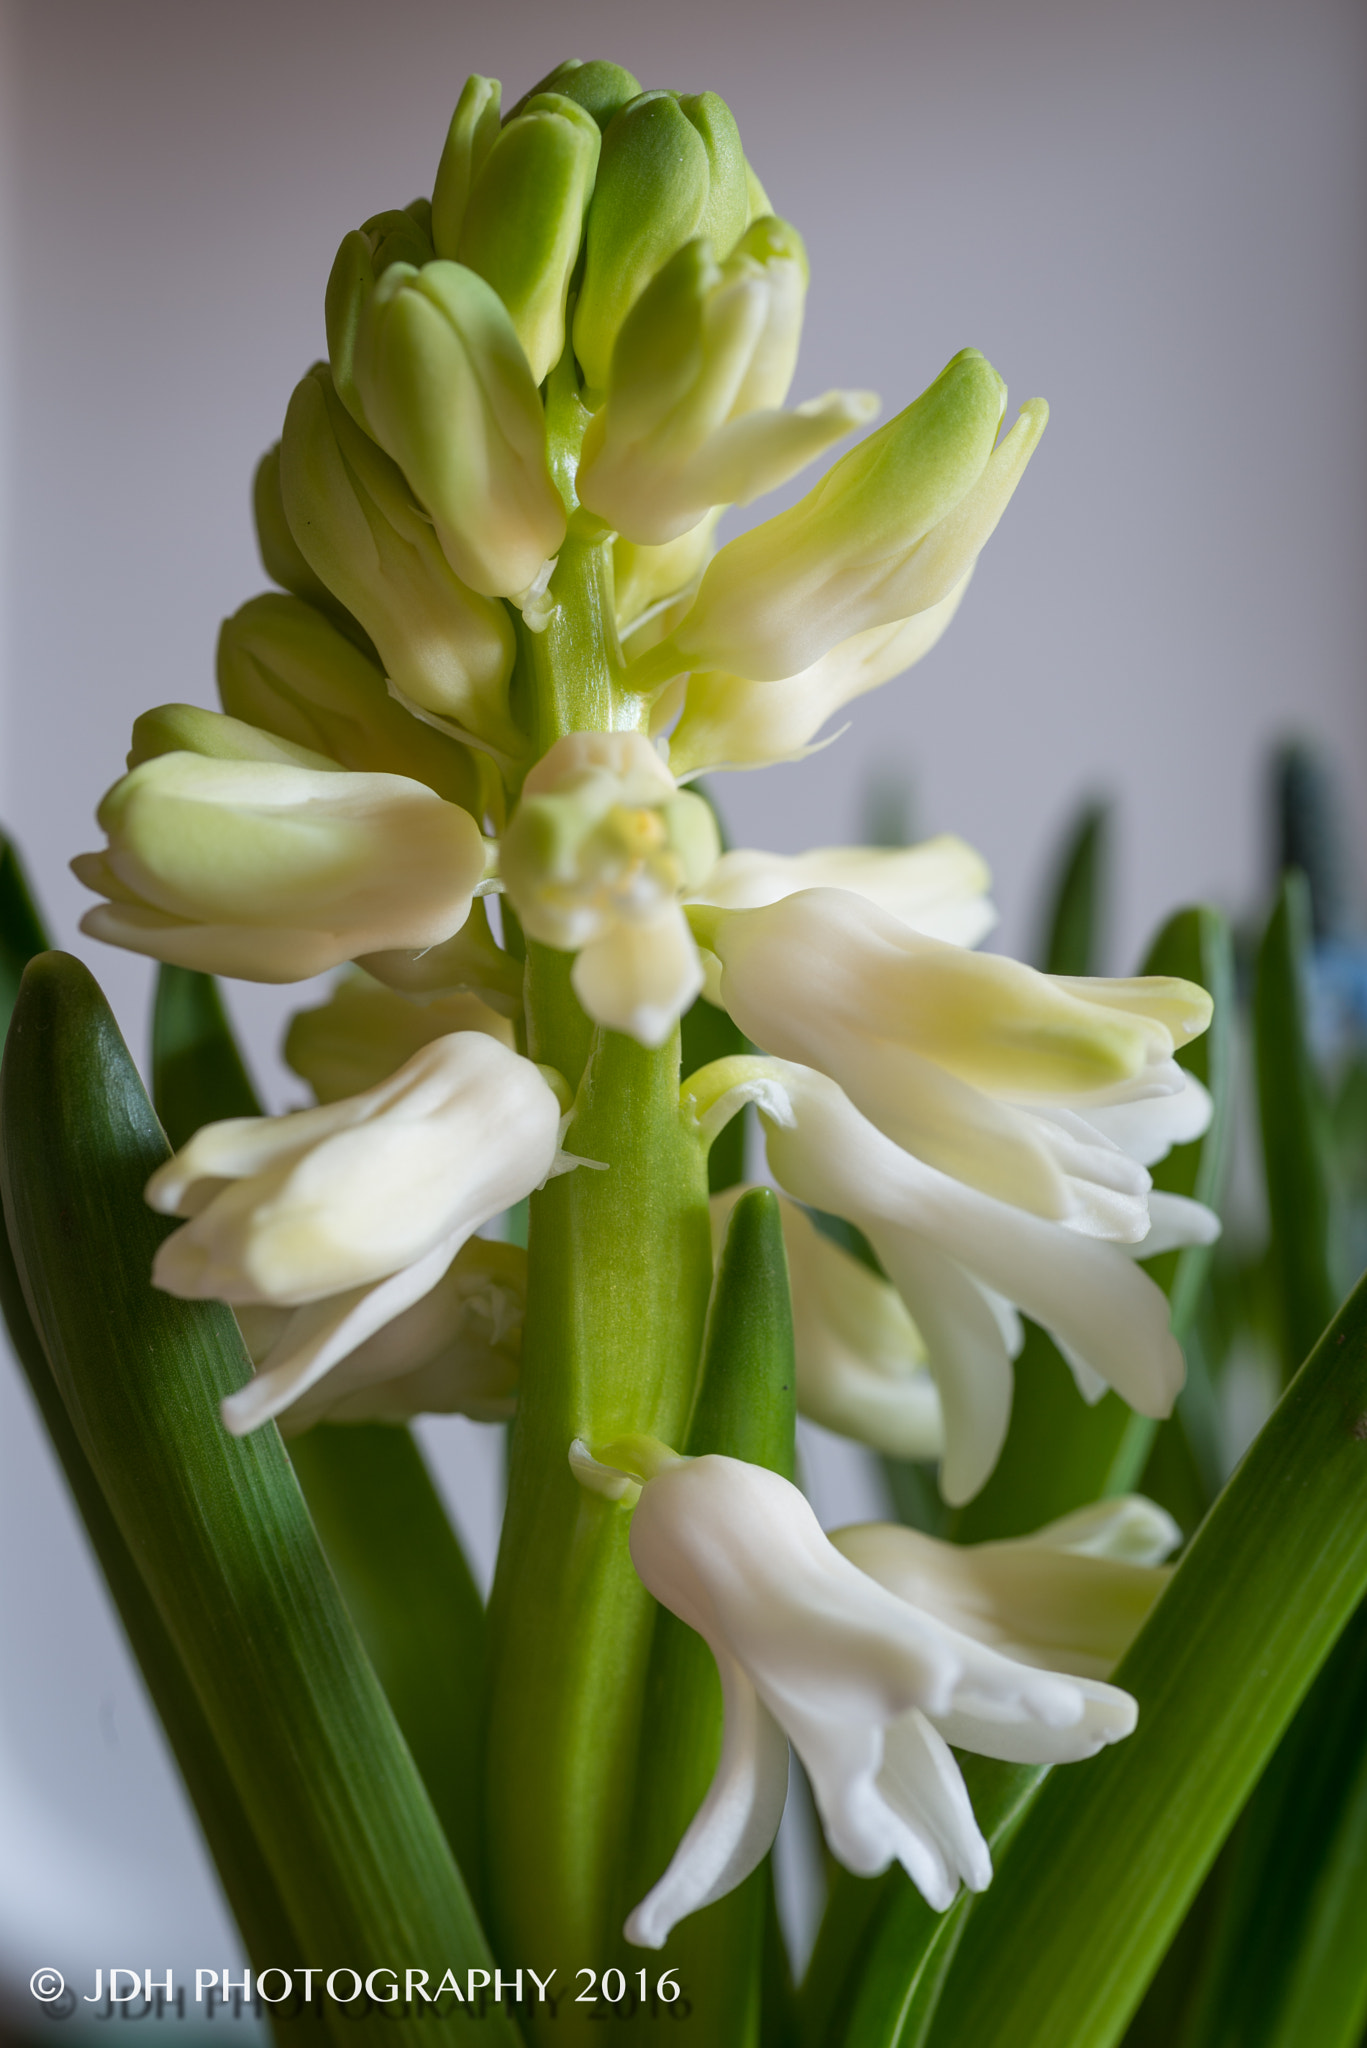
(1070, 1597)
(965, 1262)
(274, 871)
(350, 1213)
(457, 1351)
(595, 861)
(736, 721)
(1045, 1091)
(891, 530)
(859, 1358)
(868, 1687)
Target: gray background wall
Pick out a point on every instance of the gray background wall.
(1151, 214)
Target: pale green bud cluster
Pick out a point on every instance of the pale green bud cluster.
(491, 517)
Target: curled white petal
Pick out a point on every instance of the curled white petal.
(734, 1828)
(321, 1333)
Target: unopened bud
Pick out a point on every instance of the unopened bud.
(701, 364)
(365, 254)
(189, 729)
(671, 169)
(279, 550)
(888, 532)
(364, 1032)
(525, 219)
(472, 134)
(447, 391)
(734, 722)
(600, 88)
(353, 515)
(274, 872)
(282, 667)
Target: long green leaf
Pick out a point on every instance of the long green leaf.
(745, 1408)
(409, 1591)
(1112, 1851)
(21, 928)
(251, 1891)
(392, 1549)
(217, 1524)
(1291, 1112)
(1076, 899)
(1286, 1962)
(198, 1074)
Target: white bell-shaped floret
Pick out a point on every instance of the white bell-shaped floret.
(351, 1212)
(864, 1684)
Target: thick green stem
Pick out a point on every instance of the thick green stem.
(619, 1274)
(620, 1267)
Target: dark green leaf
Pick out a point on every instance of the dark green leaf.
(21, 928)
(1292, 1116)
(198, 1075)
(1073, 937)
(1112, 1851)
(251, 1891)
(405, 1581)
(217, 1524)
(1285, 1961)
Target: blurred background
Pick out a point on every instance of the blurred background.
(1151, 215)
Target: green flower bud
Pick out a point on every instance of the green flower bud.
(525, 218)
(727, 209)
(472, 134)
(756, 196)
(446, 390)
(366, 253)
(887, 533)
(355, 521)
(364, 1032)
(671, 169)
(602, 89)
(279, 550)
(284, 668)
(274, 871)
(189, 729)
(702, 362)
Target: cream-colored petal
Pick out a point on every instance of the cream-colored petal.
(733, 1829)
(923, 1784)
(324, 1332)
(640, 978)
